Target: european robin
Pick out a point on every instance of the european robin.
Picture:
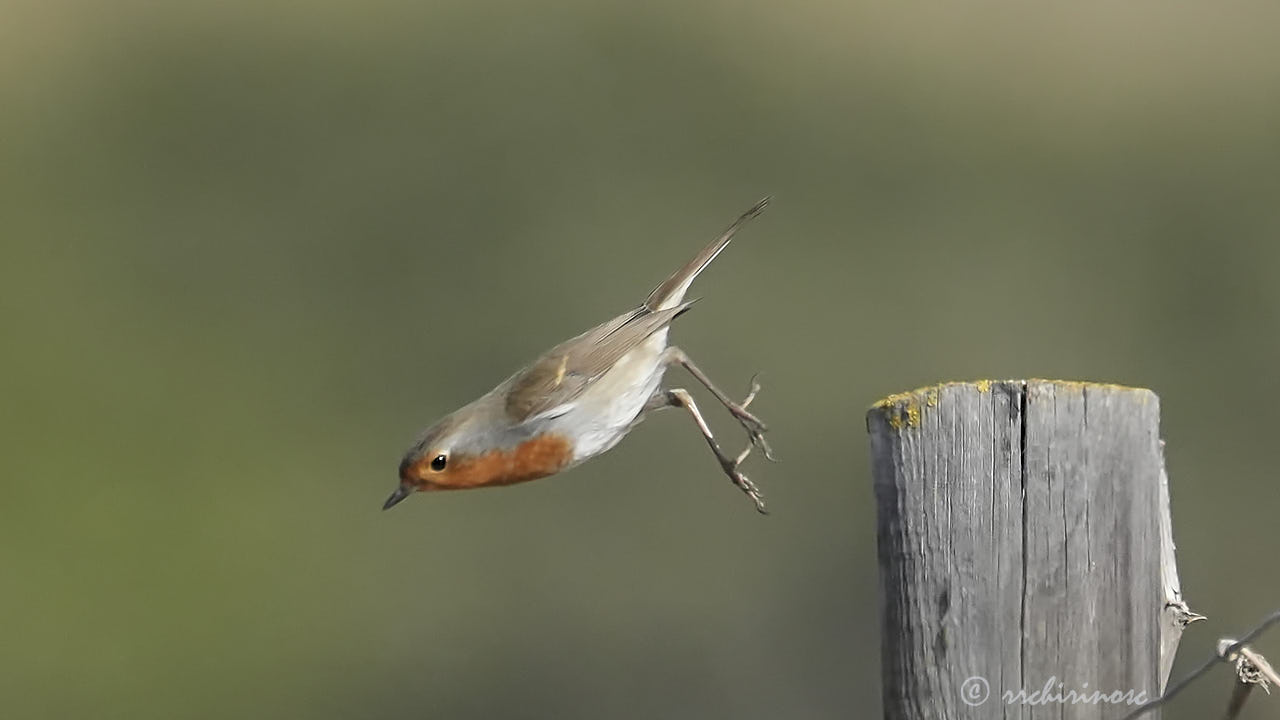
(579, 399)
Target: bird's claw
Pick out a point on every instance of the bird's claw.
(743, 483)
(739, 479)
(754, 426)
(752, 492)
(755, 390)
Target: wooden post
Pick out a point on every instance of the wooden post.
(1024, 565)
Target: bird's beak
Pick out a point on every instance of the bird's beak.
(401, 493)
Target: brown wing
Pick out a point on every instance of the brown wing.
(569, 368)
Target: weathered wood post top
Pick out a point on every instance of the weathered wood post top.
(1025, 550)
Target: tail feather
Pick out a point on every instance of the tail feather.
(671, 292)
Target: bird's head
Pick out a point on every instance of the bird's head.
(452, 456)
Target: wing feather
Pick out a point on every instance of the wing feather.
(568, 369)
(549, 387)
(671, 292)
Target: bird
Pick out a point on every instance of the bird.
(580, 398)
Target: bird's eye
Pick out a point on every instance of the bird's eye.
(439, 462)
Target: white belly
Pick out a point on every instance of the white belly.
(606, 411)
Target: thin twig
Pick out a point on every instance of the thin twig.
(1214, 659)
(1239, 693)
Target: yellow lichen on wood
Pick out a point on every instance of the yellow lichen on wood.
(903, 410)
(902, 416)
(906, 410)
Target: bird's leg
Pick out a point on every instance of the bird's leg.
(754, 426)
(679, 397)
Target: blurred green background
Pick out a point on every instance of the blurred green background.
(250, 249)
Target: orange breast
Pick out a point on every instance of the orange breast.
(535, 458)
